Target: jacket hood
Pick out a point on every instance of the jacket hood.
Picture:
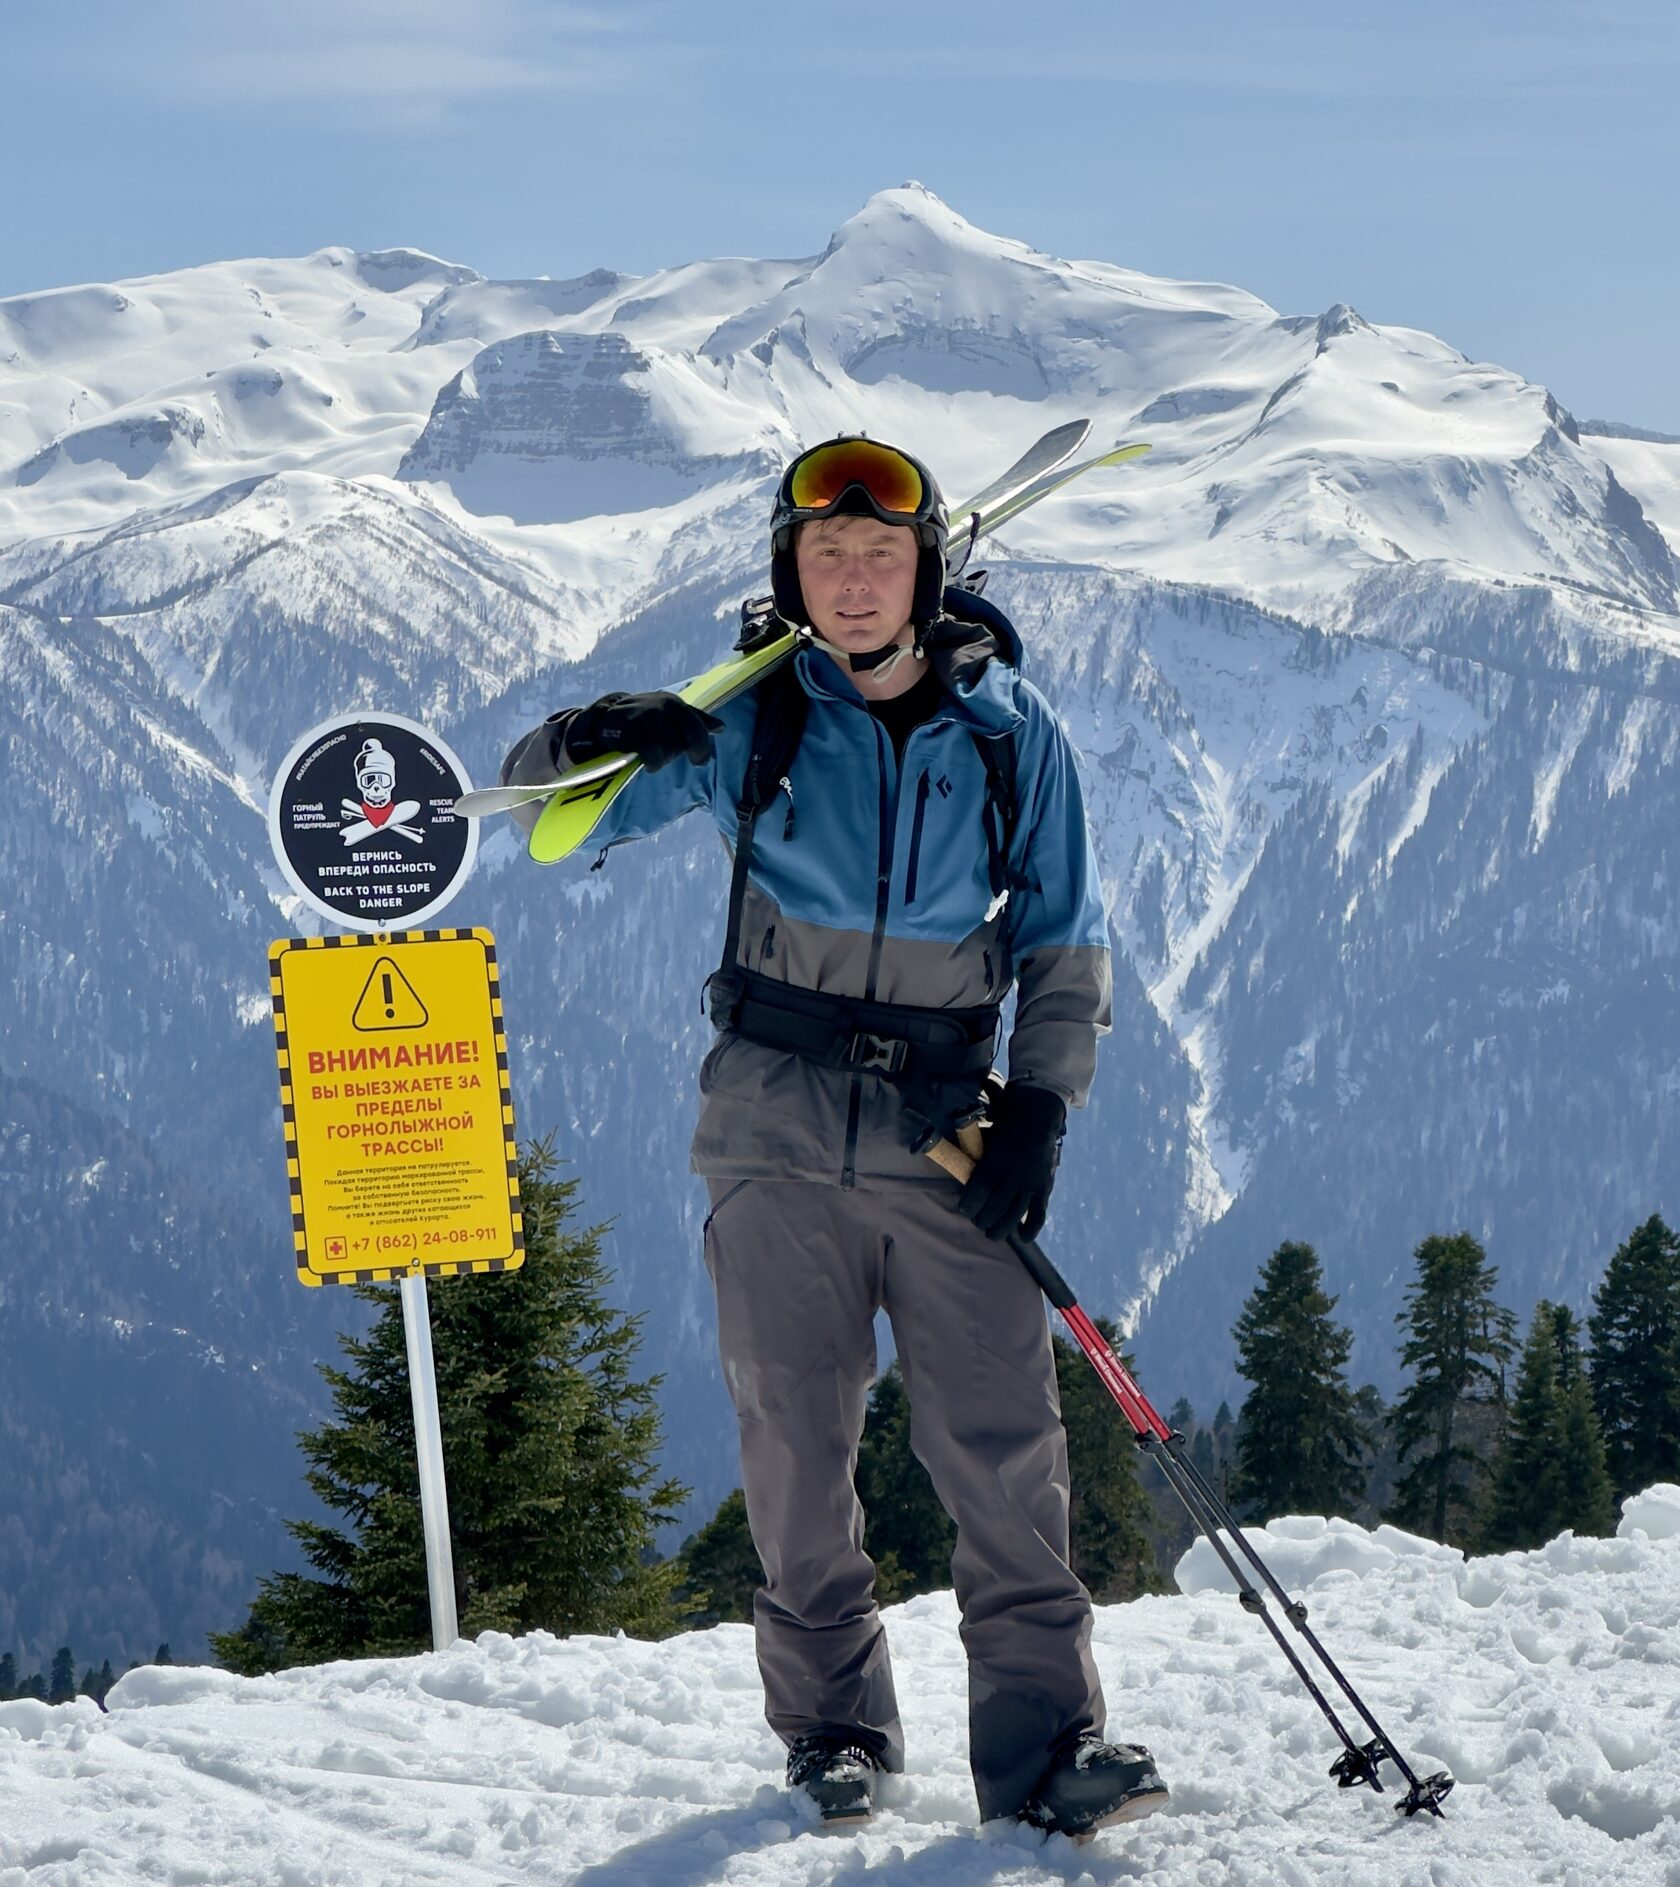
(970, 632)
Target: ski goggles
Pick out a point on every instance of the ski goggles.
(891, 483)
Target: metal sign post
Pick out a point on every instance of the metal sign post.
(428, 1446)
(393, 1061)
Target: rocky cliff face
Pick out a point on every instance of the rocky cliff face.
(1371, 664)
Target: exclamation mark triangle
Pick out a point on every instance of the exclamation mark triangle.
(388, 1001)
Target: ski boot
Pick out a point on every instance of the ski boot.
(837, 1774)
(1094, 1785)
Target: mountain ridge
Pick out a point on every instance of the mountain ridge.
(1371, 665)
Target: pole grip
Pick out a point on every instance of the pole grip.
(956, 1162)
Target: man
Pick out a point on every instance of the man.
(923, 843)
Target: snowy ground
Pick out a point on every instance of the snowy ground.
(1548, 1682)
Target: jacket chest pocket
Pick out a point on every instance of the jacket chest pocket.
(918, 822)
(946, 861)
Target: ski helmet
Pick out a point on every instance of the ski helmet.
(851, 476)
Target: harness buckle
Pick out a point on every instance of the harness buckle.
(722, 994)
(885, 1054)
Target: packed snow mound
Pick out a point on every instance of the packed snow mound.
(1551, 1698)
(1655, 1514)
(1303, 1549)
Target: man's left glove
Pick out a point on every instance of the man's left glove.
(658, 728)
(1009, 1189)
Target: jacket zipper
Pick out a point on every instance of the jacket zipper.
(883, 870)
(883, 896)
(916, 838)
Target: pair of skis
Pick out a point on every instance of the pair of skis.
(578, 798)
(1358, 1764)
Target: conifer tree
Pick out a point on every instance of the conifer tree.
(548, 1442)
(96, 1684)
(720, 1568)
(1458, 1345)
(1109, 1513)
(61, 1685)
(8, 1676)
(1224, 1448)
(1301, 1441)
(1526, 1500)
(1550, 1471)
(1635, 1327)
(1588, 1503)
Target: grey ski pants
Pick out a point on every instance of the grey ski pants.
(800, 1269)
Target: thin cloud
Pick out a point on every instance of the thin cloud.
(406, 56)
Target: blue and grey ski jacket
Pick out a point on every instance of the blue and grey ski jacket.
(882, 892)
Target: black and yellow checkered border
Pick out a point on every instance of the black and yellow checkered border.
(288, 1106)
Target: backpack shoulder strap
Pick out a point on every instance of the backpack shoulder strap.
(778, 726)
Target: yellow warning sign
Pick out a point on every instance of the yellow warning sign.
(397, 1110)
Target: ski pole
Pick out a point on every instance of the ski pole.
(1358, 1763)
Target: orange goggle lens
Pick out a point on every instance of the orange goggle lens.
(888, 477)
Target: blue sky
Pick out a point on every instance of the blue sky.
(1503, 175)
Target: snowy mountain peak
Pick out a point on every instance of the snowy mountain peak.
(1338, 319)
(911, 217)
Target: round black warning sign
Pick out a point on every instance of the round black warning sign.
(363, 823)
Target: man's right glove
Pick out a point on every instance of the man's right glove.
(657, 728)
(1009, 1189)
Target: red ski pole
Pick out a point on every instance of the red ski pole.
(1357, 1763)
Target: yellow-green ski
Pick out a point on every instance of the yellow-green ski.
(577, 801)
(574, 810)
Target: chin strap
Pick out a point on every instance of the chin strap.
(880, 662)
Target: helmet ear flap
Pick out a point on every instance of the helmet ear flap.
(784, 583)
(930, 587)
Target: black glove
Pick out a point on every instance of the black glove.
(656, 728)
(1009, 1189)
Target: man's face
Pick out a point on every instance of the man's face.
(858, 577)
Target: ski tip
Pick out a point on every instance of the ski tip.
(485, 800)
(1071, 436)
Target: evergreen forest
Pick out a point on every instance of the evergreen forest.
(1503, 1435)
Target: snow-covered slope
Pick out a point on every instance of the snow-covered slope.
(1543, 1681)
(1372, 663)
(182, 382)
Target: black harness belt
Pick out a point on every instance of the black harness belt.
(897, 1040)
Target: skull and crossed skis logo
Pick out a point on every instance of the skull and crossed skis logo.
(377, 810)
